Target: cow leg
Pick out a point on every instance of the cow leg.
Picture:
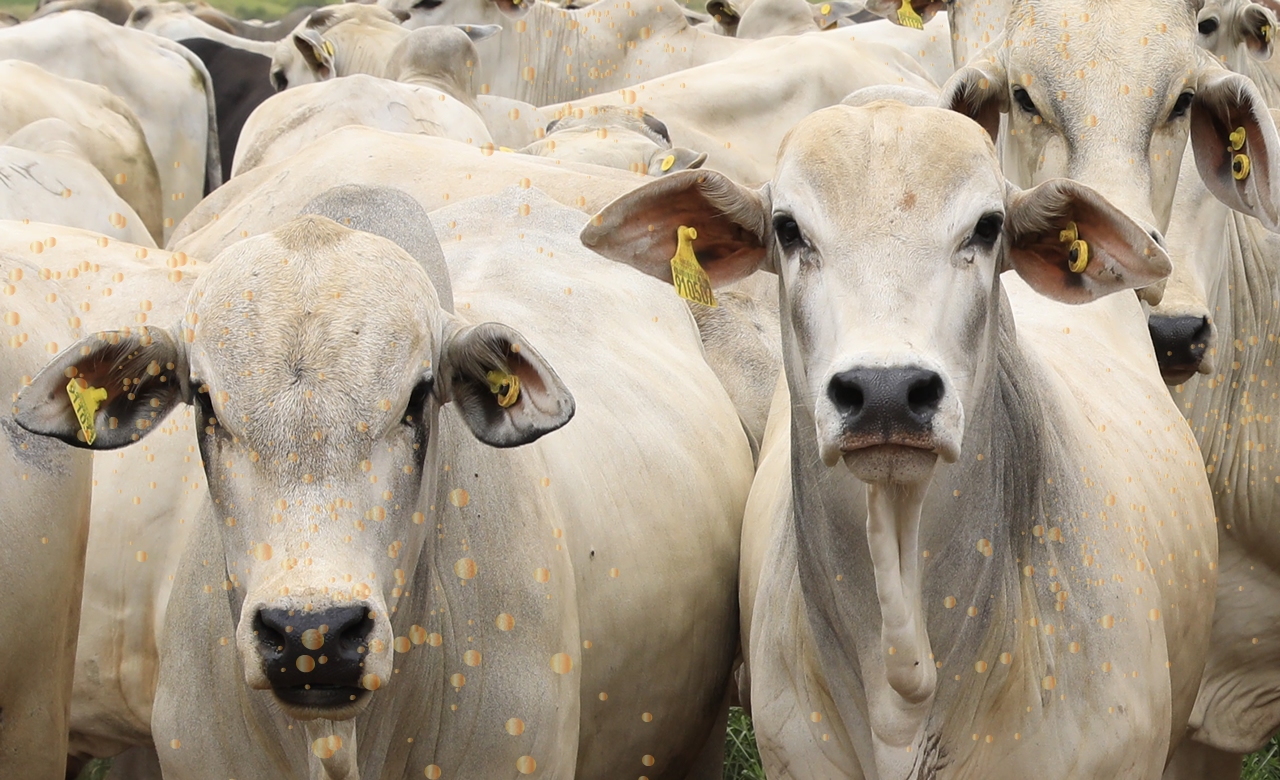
(709, 763)
(1195, 761)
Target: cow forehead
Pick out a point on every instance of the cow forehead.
(856, 164)
(314, 327)
(1135, 53)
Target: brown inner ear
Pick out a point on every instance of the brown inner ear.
(1220, 155)
(1252, 21)
(1040, 238)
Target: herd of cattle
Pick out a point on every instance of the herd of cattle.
(498, 388)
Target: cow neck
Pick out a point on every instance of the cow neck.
(859, 557)
(1234, 411)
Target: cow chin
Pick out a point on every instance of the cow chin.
(319, 658)
(891, 463)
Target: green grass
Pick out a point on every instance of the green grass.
(95, 770)
(1263, 765)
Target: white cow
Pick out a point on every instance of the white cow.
(494, 680)
(548, 54)
(175, 21)
(266, 197)
(615, 137)
(991, 533)
(337, 40)
(46, 175)
(106, 131)
(60, 284)
(45, 519)
(164, 83)
(738, 109)
(1240, 34)
(287, 122)
(767, 18)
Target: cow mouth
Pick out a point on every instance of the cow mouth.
(851, 444)
(1176, 375)
(889, 460)
(320, 697)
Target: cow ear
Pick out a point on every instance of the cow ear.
(1234, 139)
(911, 96)
(828, 14)
(667, 161)
(316, 51)
(125, 384)
(1256, 27)
(641, 227)
(723, 12)
(980, 92)
(478, 32)
(514, 8)
(1073, 246)
(504, 390)
(893, 9)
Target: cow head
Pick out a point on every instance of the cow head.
(337, 40)
(1111, 104)
(317, 358)
(1236, 30)
(889, 268)
(442, 57)
(424, 13)
(615, 137)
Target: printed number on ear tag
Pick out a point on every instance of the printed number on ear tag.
(505, 386)
(1078, 254)
(907, 16)
(84, 402)
(691, 281)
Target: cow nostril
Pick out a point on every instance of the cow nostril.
(1156, 237)
(925, 394)
(270, 636)
(846, 393)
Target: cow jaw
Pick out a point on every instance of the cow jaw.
(333, 750)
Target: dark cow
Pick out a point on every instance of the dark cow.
(241, 81)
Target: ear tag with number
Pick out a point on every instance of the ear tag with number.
(691, 281)
(84, 402)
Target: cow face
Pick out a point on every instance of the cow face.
(317, 359)
(614, 137)
(889, 268)
(1236, 30)
(1111, 104)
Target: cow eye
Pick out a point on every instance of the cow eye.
(1024, 101)
(787, 231)
(988, 229)
(1207, 26)
(1181, 106)
(427, 5)
(414, 410)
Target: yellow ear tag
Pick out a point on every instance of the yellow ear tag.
(667, 162)
(692, 283)
(907, 16)
(1240, 167)
(1237, 139)
(85, 404)
(826, 9)
(1078, 254)
(1266, 33)
(505, 149)
(328, 47)
(505, 386)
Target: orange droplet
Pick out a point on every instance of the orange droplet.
(305, 663)
(262, 551)
(541, 575)
(459, 497)
(432, 772)
(561, 663)
(505, 622)
(515, 727)
(471, 658)
(457, 680)
(465, 568)
(371, 682)
(312, 639)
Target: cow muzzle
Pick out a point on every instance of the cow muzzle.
(890, 423)
(1182, 345)
(318, 662)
